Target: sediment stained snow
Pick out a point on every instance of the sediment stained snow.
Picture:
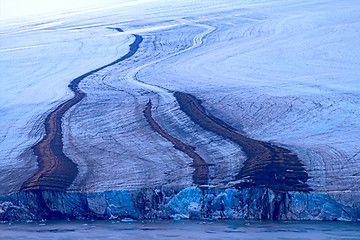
(285, 72)
(37, 64)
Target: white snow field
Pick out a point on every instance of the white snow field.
(282, 71)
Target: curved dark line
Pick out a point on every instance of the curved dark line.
(266, 165)
(201, 173)
(56, 170)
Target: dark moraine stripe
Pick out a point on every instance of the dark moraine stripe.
(266, 165)
(201, 173)
(56, 171)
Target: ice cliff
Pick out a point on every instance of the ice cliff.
(187, 203)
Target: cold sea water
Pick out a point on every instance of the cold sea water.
(183, 229)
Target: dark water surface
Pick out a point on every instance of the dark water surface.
(179, 230)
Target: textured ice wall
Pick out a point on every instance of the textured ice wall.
(163, 203)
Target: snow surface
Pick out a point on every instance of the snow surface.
(282, 71)
(37, 61)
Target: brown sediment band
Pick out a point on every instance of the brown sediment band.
(201, 173)
(266, 165)
(56, 171)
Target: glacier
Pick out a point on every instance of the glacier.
(283, 72)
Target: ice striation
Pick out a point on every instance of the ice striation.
(279, 76)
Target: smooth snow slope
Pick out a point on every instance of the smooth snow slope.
(280, 71)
